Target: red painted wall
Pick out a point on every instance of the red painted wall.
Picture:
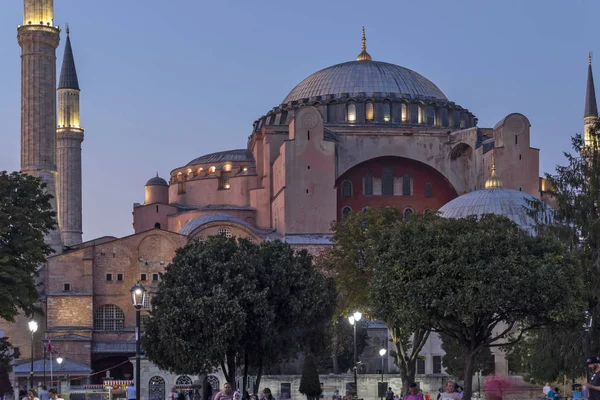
(420, 173)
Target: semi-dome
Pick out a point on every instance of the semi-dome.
(239, 155)
(510, 203)
(367, 77)
(156, 181)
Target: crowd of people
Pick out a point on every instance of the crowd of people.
(229, 394)
(44, 394)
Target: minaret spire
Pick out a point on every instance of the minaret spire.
(69, 135)
(590, 114)
(364, 56)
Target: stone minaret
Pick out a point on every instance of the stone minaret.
(38, 38)
(69, 136)
(590, 114)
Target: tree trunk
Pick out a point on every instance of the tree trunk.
(468, 375)
(336, 367)
(258, 376)
(245, 379)
(230, 369)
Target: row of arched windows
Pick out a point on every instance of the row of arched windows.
(415, 113)
(388, 185)
(407, 212)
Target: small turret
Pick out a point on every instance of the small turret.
(157, 191)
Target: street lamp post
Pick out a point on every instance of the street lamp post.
(353, 319)
(59, 360)
(382, 354)
(138, 298)
(33, 326)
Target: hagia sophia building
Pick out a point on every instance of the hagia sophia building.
(358, 134)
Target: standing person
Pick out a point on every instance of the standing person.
(389, 394)
(546, 389)
(427, 396)
(594, 383)
(266, 394)
(450, 394)
(54, 394)
(413, 393)
(130, 390)
(44, 393)
(336, 395)
(226, 393)
(32, 394)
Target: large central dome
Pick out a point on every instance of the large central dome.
(367, 77)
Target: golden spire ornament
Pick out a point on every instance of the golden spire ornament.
(364, 56)
(493, 181)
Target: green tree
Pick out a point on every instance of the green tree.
(480, 280)
(575, 191)
(25, 218)
(338, 356)
(455, 358)
(7, 355)
(229, 303)
(352, 260)
(310, 384)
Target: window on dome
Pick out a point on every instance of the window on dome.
(180, 183)
(224, 183)
(406, 185)
(347, 210)
(430, 116)
(420, 110)
(428, 190)
(404, 110)
(225, 231)
(212, 170)
(346, 189)
(351, 112)
(369, 111)
(227, 167)
(387, 182)
(283, 118)
(368, 185)
(387, 112)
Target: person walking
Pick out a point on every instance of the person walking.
(450, 394)
(546, 389)
(44, 395)
(54, 394)
(226, 393)
(389, 394)
(413, 393)
(130, 390)
(593, 385)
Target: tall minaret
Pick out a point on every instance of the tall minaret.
(590, 114)
(69, 136)
(38, 38)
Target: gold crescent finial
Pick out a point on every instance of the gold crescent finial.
(493, 181)
(364, 56)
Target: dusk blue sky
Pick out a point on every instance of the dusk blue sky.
(164, 82)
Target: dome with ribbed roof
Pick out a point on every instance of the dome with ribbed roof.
(239, 155)
(368, 77)
(156, 181)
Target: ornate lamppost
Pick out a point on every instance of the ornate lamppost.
(59, 360)
(382, 354)
(138, 298)
(33, 326)
(353, 319)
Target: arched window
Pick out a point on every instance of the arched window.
(404, 109)
(406, 186)
(183, 380)
(387, 182)
(224, 183)
(365, 209)
(346, 189)
(225, 231)
(420, 113)
(427, 211)
(347, 210)
(369, 111)
(156, 388)
(157, 225)
(180, 183)
(387, 111)
(428, 190)
(351, 112)
(408, 211)
(368, 185)
(109, 318)
(213, 383)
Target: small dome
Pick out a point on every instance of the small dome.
(367, 77)
(512, 204)
(156, 181)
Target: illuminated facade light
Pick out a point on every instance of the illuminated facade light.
(351, 112)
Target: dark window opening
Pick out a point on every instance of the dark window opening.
(306, 190)
(428, 190)
(143, 277)
(437, 364)
(108, 277)
(519, 156)
(346, 211)
(408, 212)
(421, 366)
(406, 185)
(308, 167)
(157, 208)
(516, 140)
(157, 225)
(387, 182)
(347, 189)
(155, 277)
(308, 135)
(120, 277)
(368, 184)
(67, 287)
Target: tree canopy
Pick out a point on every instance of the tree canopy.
(352, 261)
(26, 216)
(229, 303)
(480, 280)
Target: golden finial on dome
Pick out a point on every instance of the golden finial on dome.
(493, 181)
(364, 56)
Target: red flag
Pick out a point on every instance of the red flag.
(50, 345)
